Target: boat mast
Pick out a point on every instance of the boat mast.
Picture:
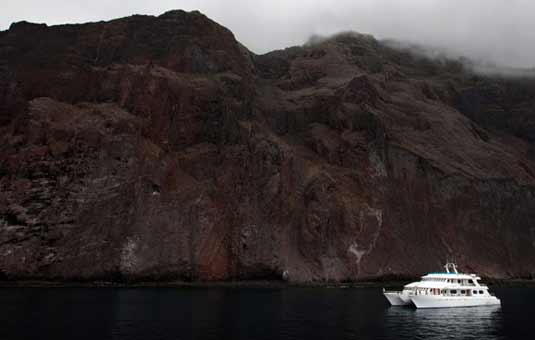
(453, 267)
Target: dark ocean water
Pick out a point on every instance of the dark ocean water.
(250, 313)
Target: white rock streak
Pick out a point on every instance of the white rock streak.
(128, 255)
(354, 248)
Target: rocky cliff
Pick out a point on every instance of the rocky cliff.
(159, 148)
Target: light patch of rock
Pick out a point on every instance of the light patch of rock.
(129, 258)
(377, 165)
(359, 253)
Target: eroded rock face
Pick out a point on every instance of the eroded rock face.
(159, 148)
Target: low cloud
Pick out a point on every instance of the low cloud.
(478, 66)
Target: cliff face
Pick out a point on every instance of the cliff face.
(160, 148)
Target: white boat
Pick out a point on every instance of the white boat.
(444, 289)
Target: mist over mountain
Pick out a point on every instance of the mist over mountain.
(478, 66)
(439, 55)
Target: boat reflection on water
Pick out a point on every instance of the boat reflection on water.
(485, 322)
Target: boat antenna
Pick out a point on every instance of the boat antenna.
(451, 264)
(454, 266)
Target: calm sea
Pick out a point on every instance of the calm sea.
(250, 313)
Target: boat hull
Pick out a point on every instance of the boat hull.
(397, 299)
(432, 301)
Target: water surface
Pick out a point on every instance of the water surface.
(250, 313)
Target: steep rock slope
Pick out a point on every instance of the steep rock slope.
(160, 148)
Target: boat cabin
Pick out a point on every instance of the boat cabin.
(448, 283)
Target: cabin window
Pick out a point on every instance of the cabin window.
(480, 292)
(474, 292)
(453, 292)
(463, 292)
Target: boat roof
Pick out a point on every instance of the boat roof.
(430, 284)
(440, 285)
(444, 275)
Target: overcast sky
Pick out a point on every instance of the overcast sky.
(501, 31)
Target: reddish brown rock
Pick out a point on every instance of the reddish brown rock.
(156, 148)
